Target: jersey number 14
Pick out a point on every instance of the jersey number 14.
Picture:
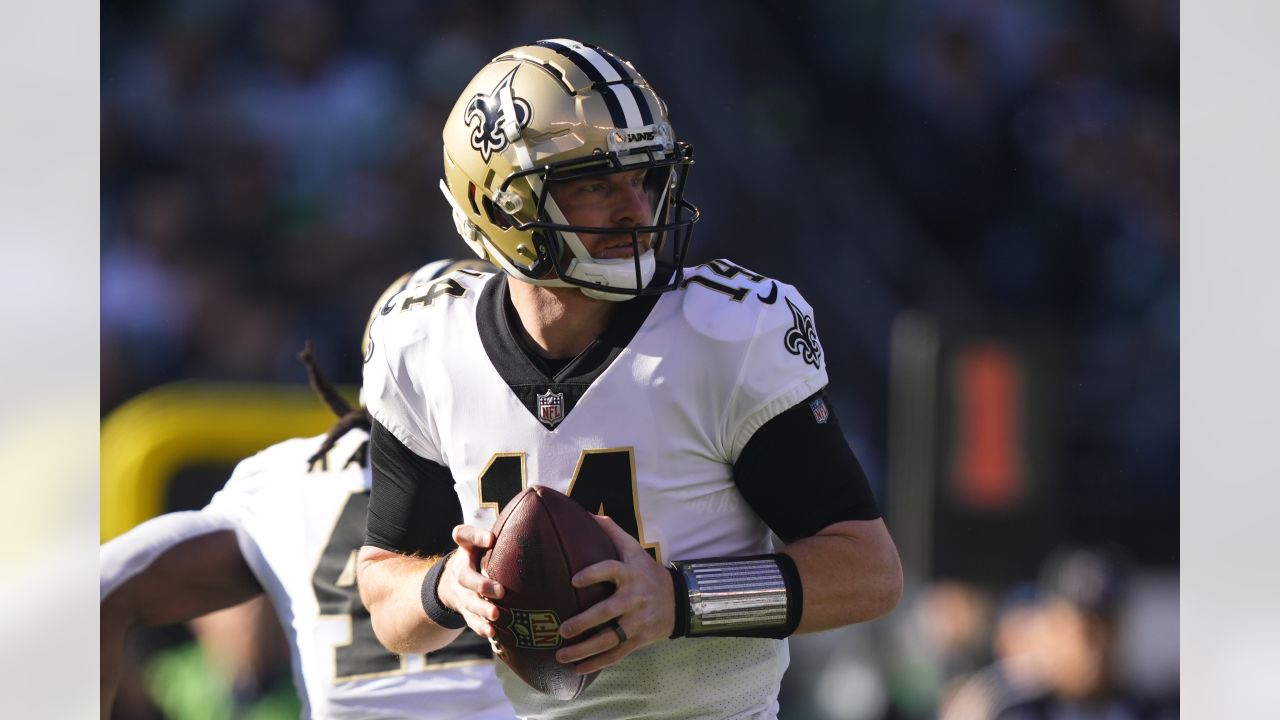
(604, 483)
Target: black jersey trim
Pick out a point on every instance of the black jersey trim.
(527, 374)
(799, 474)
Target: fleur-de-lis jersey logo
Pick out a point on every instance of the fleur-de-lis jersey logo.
(802, 338)
(488, 114)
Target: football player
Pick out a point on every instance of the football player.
(688, 405)
(289, 523)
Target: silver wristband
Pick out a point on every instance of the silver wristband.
(750, 596)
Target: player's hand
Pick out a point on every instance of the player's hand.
(463, 589)
(642, 606)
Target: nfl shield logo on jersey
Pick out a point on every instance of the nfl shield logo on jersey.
(551, 408)
(819, 408)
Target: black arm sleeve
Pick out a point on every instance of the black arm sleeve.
(799, 474)
(412, 506)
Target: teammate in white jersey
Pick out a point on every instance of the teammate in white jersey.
(289, 523)
(692, 415)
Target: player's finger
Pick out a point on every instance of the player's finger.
(466, 575)
(610, 571)
(470, 603)
(603, 640)
(457, 595)
(598, 614)
(479, 584)
(480, 626)
(604, 659)
(475, 610)
(470, 536)
(622, 540)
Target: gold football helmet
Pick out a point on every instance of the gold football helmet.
(559, 111)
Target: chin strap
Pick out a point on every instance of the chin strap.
(620, 273)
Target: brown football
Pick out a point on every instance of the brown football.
(543, 539)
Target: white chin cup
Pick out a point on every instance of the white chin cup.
(619, 273)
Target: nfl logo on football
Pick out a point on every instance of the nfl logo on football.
(551, 407)
(535, 629)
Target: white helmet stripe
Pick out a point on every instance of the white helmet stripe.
(599, 69)
(646, 112)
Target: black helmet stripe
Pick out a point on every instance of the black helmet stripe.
(626, 110)
(646, 115)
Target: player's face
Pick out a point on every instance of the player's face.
(616, 200)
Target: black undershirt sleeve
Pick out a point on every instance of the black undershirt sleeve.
(412, 506)
(799, 474)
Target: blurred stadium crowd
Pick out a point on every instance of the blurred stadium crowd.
(1009, 167)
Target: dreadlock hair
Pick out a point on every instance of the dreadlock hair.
(348, 417)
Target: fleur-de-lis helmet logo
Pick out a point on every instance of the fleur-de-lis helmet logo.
(496, 118)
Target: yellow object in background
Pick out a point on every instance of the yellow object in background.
(148, 439)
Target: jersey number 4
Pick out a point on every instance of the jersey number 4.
(334, 583)
(604, 483)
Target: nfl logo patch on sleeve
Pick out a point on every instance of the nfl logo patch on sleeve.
(819, 408)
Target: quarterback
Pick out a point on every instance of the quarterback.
(685, 406)
(289, 523)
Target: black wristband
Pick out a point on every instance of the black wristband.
(436, 610)
(682, 603)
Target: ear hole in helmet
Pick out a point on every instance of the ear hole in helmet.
(471, 195)
(495, 215)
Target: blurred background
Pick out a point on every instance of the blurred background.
(979, 198)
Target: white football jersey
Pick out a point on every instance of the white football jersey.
(299, 528)
(650, 441)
